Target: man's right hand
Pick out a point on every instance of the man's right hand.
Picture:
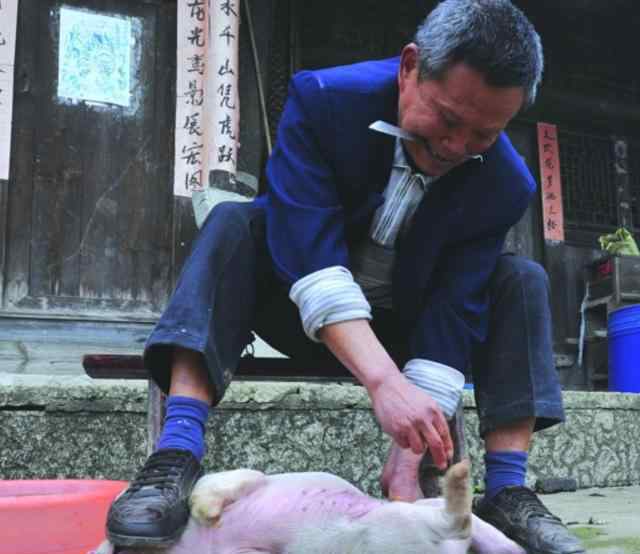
(412, 418)
(407, 413)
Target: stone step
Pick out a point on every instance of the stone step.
(73, 427)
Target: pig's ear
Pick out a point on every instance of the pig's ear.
(105, 548)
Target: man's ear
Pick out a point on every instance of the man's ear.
(408, 65)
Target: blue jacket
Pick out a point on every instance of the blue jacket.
(326, 176)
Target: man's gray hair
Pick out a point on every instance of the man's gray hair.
(492, 36)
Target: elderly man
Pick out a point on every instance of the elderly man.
(378, 242)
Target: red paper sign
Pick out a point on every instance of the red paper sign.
(551, 185)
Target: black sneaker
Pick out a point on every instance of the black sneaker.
(520, 515)
(154, 509)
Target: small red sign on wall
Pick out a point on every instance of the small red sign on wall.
(551, 185)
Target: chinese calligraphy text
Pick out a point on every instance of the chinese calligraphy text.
(551, 186)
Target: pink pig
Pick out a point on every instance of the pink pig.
(247, 512)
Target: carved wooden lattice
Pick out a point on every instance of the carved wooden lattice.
(588, 181)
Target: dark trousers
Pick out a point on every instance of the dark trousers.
(228, 289)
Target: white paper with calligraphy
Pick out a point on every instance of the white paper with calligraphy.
(8, 19)
(222, 85)
(207, 103)
(191, 137)
(551, 185)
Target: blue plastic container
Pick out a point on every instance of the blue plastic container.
(624, 349)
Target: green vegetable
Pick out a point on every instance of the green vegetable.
(620, 243)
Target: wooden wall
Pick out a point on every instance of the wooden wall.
(90, 230)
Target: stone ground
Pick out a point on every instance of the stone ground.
(606, 519)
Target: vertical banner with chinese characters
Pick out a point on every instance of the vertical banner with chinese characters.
(222, 86)
(207, 102)
(551, 185)
(8, 19)
(191, 144)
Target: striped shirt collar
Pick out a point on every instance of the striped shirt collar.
(400, 162)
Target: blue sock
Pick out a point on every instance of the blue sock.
(504, 469)
(184, 425)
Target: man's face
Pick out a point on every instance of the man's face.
(456, 116)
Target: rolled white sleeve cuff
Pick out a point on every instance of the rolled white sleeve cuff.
(442, 382)
(328, 296)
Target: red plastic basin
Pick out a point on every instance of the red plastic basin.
(54, 517)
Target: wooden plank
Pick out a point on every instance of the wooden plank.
(521, 239)
(107, 366)
(113, 205)
(158, 249)
(144, 198)
(54, 230)
(184, 232)
(117, 334)
(566, 266)
(252, 154)
(17, 240)
(4, 201)
(627, 278)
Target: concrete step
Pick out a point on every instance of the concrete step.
(72, 426)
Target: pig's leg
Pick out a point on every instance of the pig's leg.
(485, 538)
(216, 490)
(423, 526)
(400, 475)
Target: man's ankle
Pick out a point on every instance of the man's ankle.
(184, 425)
(504, 469)
(189, 376)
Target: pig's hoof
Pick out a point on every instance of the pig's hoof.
(209, 514)
(216, 490)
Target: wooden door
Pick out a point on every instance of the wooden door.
(91, 229)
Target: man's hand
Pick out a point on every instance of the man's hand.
(407, 413)
(412, 418)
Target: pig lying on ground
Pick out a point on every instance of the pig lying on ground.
(247, 512)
